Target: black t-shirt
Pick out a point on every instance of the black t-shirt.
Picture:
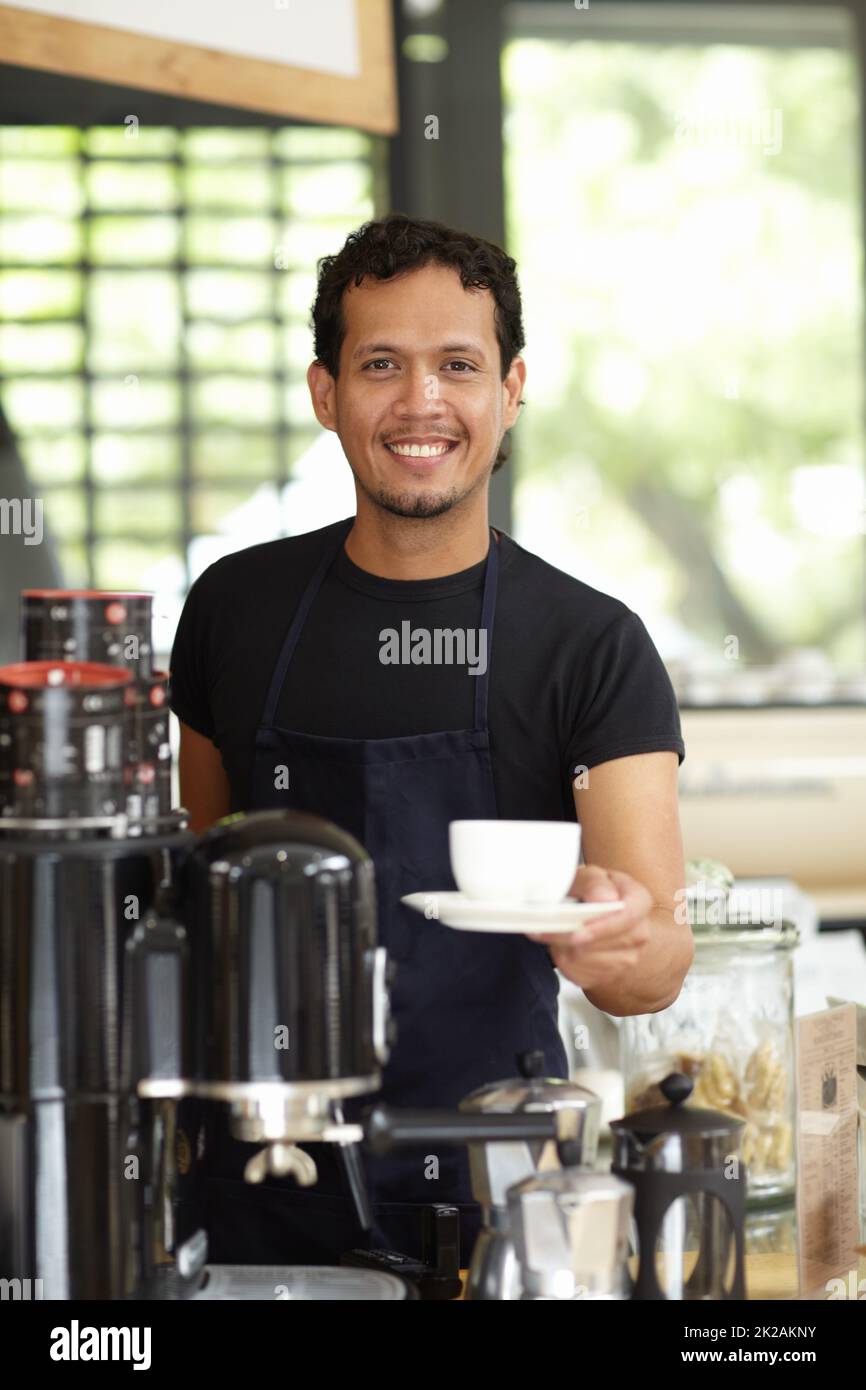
(575, 679)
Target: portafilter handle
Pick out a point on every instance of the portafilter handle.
(385, 1128)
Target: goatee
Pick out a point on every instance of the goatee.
(415, 504)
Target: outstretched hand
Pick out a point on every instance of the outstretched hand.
(602, 949)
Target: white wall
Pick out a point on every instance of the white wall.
(317, 34)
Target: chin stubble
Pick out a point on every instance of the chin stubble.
(420, 504)
(424, 504)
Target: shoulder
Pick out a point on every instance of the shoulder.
(280, 564)
(551, 595)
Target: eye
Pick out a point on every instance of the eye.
(386, 362)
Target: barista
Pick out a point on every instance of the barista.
(285, 700)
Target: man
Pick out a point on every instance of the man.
(557, 705)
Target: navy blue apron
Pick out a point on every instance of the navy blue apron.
(465, 1003)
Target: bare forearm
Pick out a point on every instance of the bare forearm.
(204, 785)
(654, 982)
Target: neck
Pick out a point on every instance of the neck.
(399, 547)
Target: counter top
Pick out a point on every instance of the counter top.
(771, 1255)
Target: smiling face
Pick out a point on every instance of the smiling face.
(419, 405)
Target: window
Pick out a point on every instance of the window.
(155, 288)
(686, 217)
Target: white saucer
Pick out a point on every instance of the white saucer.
(476, 914)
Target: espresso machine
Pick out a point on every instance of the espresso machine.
(143, 970)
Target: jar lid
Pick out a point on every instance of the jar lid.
(676, 1117)
(781, 935)
(723, 913)
(48, 674)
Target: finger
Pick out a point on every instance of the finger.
(622, 918)
(604, 969)
(633, 940)
(578, 937)
(603, 931)
(636, 904)
(631, 889)
(594, 930)
(606, 937)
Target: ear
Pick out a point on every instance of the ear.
(323, 391)
(512, 390)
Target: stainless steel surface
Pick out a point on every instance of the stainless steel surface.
(116, 825)
(571, 1235)
(381, 1005)
(494, 1274)
(255, 1097)
(282, 1161)
(496, 1168)
(191, 1256)
(318, 1284)
(120, 826)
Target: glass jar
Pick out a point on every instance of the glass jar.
(732, 1030)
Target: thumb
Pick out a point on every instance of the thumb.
(594, 884)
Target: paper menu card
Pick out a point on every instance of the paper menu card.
(827, 1190)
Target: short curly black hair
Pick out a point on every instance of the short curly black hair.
(396, 244)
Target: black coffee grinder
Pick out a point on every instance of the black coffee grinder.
(79, 1153)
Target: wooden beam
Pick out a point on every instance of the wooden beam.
(103, 54)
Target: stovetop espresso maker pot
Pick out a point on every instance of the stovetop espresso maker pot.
(494, 1272)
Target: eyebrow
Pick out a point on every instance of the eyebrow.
(368, 349)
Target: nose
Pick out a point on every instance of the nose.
(418, 396)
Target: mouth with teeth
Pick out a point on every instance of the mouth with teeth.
(418, 449)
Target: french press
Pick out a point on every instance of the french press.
(686, 1167)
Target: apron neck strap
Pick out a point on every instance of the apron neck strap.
(294, 632)
(488, 610)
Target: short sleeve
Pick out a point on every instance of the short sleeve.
(190, 682)
(625, 702)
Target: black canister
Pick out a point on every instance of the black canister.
(686, 1167)
(99, 625)
(62, 739)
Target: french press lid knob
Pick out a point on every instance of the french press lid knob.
(675, 1117)
(677, 1087)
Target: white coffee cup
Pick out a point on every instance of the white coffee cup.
(519, 861)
